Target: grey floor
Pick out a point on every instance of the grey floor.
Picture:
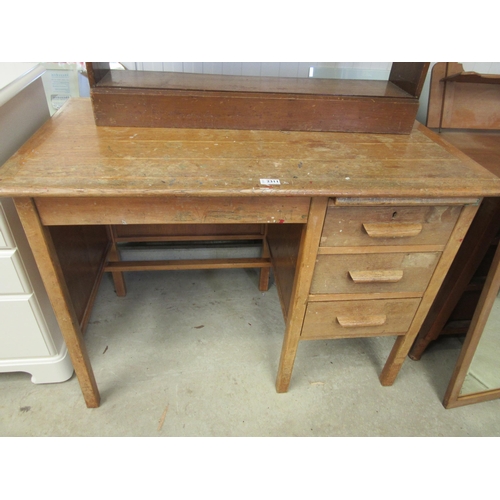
(195, 353)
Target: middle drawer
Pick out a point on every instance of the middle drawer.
(373, 273)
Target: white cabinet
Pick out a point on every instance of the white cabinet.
(30, 338)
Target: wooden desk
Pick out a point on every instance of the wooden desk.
(361, 229)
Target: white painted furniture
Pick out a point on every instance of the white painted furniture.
(30, 339)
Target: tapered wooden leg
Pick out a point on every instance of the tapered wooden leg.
(395, 360)
(114, 256)
(50, 270)
(403, 343)
(264, 271)
(306, 260)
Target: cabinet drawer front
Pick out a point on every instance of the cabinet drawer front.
(367, 226)
(12, 279)
(374, 273)
(20, 334)
(360, 318)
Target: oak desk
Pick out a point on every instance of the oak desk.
(360, 232)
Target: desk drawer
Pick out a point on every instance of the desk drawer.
(374, 273)
(389, 225)
(360, 318)
(173, 210)
(12, 278)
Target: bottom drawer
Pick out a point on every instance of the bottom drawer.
(359, 318)
(21, 335)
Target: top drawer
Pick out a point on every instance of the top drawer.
(389, 225)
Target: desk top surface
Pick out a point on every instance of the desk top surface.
(482, 146)
(71, 156)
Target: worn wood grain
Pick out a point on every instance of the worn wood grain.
(148, 162)
(176, 210)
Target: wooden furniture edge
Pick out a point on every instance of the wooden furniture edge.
(310, 238)
(479, 319)
(50, 270)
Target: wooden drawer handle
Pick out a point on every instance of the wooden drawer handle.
(393, 229)
(350, 322)
(383, 276)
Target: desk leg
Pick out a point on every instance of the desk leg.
(50, 270)
(403, 343)
(306, 261)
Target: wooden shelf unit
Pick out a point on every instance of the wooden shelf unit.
(187, 100)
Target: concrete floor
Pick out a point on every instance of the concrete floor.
(195, 353)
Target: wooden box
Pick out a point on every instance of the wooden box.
(187, 100)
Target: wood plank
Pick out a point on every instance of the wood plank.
(147, 232)
(159, 80)
(379, 202)
(78, 211)
(167, 239)
(53, 279)
(185, 264)
(376, 249)
(219, 110)
(70, 156)
(331, 297)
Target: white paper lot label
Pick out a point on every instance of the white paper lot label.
(269, 182)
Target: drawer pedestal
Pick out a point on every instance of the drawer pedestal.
(374, 272)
